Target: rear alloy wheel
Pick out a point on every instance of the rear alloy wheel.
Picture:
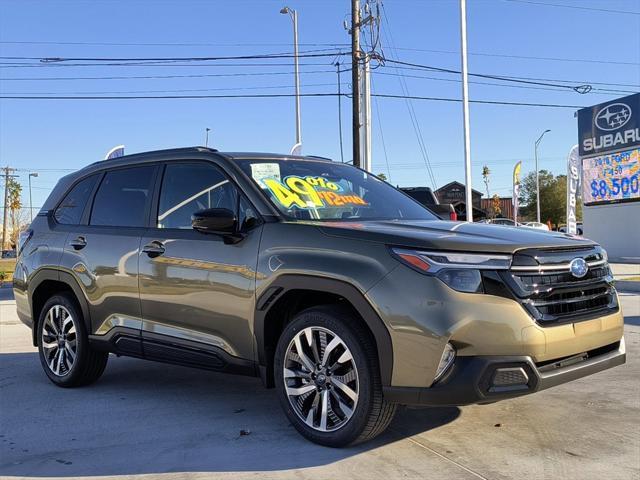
(59, 342)
(328, 380)
(65, 353)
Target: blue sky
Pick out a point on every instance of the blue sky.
(48, 136)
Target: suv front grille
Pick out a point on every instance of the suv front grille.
(552, 294)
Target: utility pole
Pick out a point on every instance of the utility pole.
(33, 174)
(297, 148)
(535, 154)
(355, 78)
(366, 115)
(206, 137)
(7, 176)
(465, 111)
(340, 110)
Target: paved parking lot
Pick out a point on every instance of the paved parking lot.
(159, 421)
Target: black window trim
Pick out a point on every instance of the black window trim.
(154, 165)
(155, 206)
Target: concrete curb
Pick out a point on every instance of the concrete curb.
(627, 286)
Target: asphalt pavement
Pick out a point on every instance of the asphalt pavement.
(144, 419)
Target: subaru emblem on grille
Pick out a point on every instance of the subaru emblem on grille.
(578, 267)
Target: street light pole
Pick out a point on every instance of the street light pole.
(34, 174)
(206, 137)
(535, 154)
(294, 17)
(465, 111)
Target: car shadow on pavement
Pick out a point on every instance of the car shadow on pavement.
(6, 292)
(632, 320)
(150, 418)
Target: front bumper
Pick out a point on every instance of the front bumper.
(472, 379)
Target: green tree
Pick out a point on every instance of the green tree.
(553, 198)
(382, 176)
(15, 209)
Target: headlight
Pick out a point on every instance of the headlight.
(462, 280)
(460, 271)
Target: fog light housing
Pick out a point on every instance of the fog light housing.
(446, 360)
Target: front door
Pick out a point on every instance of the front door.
(197, 292)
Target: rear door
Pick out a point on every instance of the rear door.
(102, 253)
(197, 290)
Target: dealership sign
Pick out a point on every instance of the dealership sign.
(573, 188)
(609, 126)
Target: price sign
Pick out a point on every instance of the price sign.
(611, 178)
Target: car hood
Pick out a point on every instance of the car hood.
(454, 236)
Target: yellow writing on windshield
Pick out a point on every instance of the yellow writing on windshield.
(310, 192)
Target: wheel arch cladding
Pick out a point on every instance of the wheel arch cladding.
(47, 283)
(290, 294)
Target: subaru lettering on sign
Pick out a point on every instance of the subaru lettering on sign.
(609, 126)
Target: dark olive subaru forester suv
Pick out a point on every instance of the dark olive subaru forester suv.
(335, 288)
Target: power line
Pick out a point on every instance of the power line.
(531, 87)
(577, 7)
(195, 65)
(147, 77)
(580, 88)
(278, 95)
(412, 114)
(165, 44)
(54, 60)
(485, 102)
(524, 57)
(171, 91)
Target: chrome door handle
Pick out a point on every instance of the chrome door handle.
(79, 243)
(153, 249)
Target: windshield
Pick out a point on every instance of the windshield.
(322, 190)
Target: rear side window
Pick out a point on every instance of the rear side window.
(69, 212)
(121, 200)
(189, 187)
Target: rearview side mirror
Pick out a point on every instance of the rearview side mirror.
(221, 221)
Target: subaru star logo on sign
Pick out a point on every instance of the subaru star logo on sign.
(578, 267)
(610, 126)
(613, 117)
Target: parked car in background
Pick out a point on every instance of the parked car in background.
(426, 197)
(537, 225)
(500, 221)
(563, 228)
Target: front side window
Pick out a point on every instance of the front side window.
(121, 199)
(323, 190)
(69, 212)
(189, 187)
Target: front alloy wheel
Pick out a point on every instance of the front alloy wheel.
(327, 375)
(321, 379)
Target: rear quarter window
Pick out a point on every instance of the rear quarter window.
(70, 210)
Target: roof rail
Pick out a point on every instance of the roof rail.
(320, 157)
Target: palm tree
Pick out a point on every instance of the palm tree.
(485, 176)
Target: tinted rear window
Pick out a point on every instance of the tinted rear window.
(69, 212)
(121, 200)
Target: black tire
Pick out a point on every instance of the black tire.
(88, 364)
(372, 413)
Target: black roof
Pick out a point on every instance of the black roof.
(195, 150)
